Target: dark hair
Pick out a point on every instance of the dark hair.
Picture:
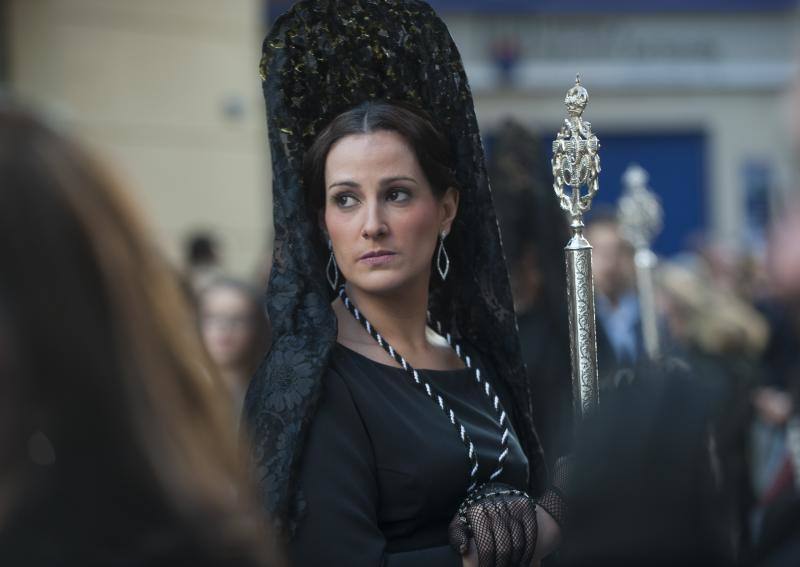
(428, 143)
(201, 249)
(134, 432)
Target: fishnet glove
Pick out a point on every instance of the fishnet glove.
(502, 521)
(554, 500)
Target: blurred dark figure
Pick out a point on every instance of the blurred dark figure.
(116, 444)
(778, 400)
(646, 485)
(235, 331)
(534, 232)
(721, 337)
(782, 357)
(203, 262)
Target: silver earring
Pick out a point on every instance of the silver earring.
(333, 279)
(442, 259)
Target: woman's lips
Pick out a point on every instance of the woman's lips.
(377, 259)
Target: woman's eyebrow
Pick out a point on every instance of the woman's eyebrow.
(344, 183)
(388, 180)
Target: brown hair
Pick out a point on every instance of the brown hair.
(428, 143)
(107, 372)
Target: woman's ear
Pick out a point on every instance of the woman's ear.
(448, 208)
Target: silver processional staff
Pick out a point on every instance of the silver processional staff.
(641, 219)
(576, 164)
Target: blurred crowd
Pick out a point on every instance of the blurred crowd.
(693, 456)
(122, 378)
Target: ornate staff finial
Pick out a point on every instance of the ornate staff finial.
(640, 213)
(640, 220)
(575, 159)
(576, 163)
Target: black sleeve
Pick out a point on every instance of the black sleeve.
(338, 480)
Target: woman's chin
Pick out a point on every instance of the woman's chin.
(380, 283)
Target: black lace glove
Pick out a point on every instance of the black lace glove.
(502, 521)
(554, 500)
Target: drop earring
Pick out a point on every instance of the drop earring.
(442, 259)
(332, 270)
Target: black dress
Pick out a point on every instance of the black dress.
(384, 470)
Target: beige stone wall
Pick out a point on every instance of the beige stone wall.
(147, 83)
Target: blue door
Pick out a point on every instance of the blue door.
(676, 163)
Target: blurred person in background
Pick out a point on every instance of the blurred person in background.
(235, 331)
(782, 356)
(733, 270)
(534, 232)
(619, 328)
(721, 338)
(116, 443)
(776, 402)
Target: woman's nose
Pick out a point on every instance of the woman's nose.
(374, 224)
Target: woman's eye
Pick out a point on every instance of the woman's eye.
(345, 200)
(398, 195)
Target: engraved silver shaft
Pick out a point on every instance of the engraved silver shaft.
(582, 326)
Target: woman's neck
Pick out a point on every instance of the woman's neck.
(400, 316)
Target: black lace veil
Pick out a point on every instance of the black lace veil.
(320, 59)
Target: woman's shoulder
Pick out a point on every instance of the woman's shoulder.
(359, 380)
(346, 374)
(353, 367)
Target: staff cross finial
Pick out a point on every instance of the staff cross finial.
(640, 213)
(575, 159)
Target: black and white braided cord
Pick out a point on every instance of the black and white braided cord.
(494, 399)
(436, 396)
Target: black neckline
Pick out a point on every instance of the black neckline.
(390, 367)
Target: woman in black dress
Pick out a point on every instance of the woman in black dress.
(391, 420)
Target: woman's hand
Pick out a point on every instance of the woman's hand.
(499, 525)
(549, 535)
(470, 558)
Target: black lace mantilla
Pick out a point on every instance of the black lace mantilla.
(321, 58)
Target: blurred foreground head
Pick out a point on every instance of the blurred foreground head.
(646, 475)
(116, 441)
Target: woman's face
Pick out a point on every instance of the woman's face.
(227, 324)
(380, 212)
